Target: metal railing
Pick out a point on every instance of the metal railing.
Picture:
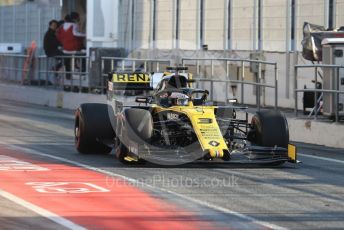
(258, 83)
(69, 72)
(43, 74)
(335, 92)
(12, 67)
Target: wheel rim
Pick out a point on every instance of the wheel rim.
(77, 133)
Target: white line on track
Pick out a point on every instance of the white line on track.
(40, 211)
(131, 180)
(321, 158)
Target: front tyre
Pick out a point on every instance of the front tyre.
(270, 129)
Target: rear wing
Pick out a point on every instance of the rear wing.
(139, 80)
(129, 81)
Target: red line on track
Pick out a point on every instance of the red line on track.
(122, 206)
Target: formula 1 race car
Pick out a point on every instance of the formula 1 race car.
(176, 124)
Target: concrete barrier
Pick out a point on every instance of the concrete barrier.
(51, 98)
(316, 132)
(306, 131)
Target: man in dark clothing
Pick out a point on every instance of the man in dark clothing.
(51, 44)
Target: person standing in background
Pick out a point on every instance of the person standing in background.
(71, 39)
(68, 34)
(52, 45)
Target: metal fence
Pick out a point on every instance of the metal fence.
(43, 71)
(69, 72)
(335, 92)
(200, 63)
(12, 68)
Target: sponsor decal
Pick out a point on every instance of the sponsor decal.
(130, 78)
(172, 116)
(214, 143)
(210, 133)
(205, 120)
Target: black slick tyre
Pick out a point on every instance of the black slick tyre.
(92, 125)
(270, 129)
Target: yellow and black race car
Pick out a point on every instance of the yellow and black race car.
(176, 124)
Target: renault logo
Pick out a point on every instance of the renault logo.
(214, 143)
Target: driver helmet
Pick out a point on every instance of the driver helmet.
(178, 95)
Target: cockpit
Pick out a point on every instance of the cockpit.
(175, 89)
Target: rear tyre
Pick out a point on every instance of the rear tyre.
(270, 129)
(92, 125)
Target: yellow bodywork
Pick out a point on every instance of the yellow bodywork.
(292, 153)
(205, 126)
